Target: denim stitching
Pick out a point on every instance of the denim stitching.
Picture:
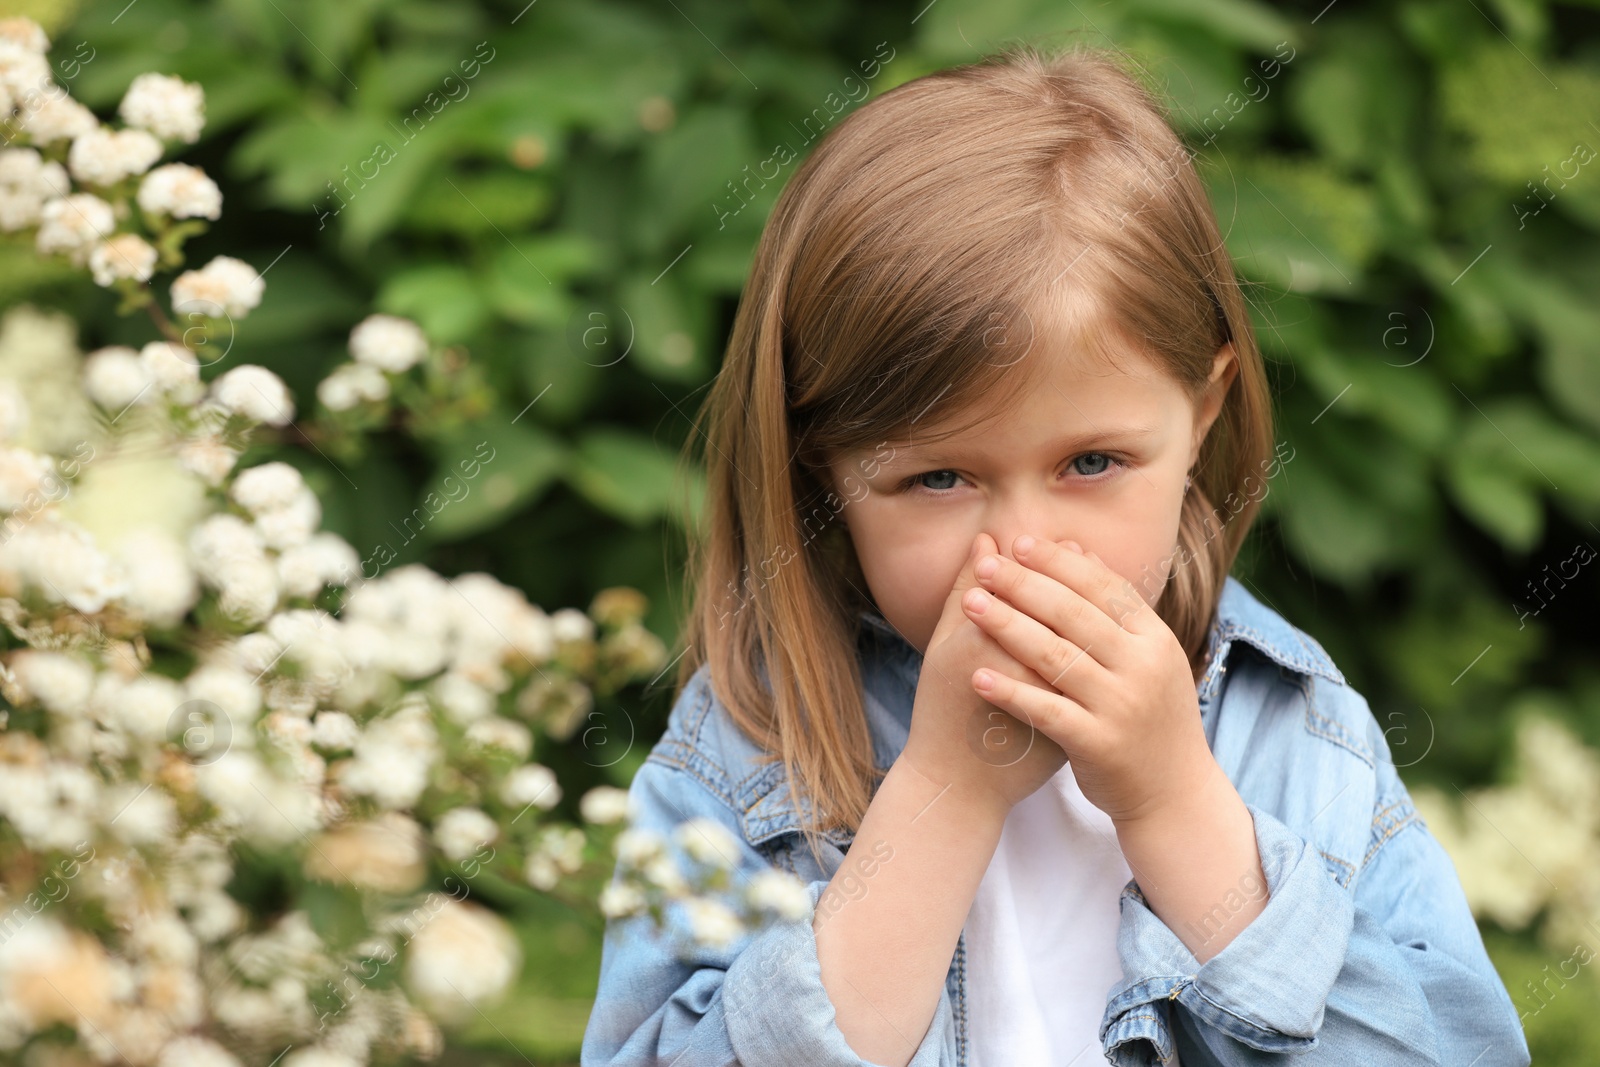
(1333, 732)
(1346, 868)
(1408, 819)
(658, 757)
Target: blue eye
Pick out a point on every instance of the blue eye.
(1103, 463)
(916, 479)
(1090, 455)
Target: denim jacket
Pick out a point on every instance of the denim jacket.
(1366, 952)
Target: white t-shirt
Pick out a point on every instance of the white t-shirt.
(1042, 933)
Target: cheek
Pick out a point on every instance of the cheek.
(1143, 553)
(909, 571)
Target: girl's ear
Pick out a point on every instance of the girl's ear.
(1224, 368)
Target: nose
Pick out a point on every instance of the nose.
(1025, 512)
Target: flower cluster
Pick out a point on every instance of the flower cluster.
(696, 866)
(1526, 848)
(246, 787)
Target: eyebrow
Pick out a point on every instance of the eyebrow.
(935, 451)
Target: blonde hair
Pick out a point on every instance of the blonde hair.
(923, 232)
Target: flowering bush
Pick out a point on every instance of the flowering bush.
(245, 787)
(1527, 847)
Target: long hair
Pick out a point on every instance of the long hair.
(918, 240)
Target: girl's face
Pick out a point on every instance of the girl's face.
(1094, 455)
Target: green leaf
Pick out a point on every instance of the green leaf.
(1339, 533)
(626, 475)
(445, 300)
(1237, 22)
(670, 329)
(1518, 116)
(1295, 225)
(1501, 504)
(485, 472)
(1358, 96)
(688, 170)
(528, 278)
(478, 205)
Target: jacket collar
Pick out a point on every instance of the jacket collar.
(1240, 617)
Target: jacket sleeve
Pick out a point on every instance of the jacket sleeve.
(758, 1002)
(1391, 972)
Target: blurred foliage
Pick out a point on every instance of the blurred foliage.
(1410, 190)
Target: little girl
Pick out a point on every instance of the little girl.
(991, 428)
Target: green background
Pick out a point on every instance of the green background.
(1434, 344)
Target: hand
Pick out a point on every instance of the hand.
(958, 738)
(1118, 693)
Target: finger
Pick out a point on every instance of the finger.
(1092, 580)
(1059, 607)
(1060, 718)
(1062, 664)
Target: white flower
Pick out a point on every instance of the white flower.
(351, 383)
(140, 815)
(127, 255)
(570, 624)
(24, 33)
(62, 561)
(173, 368)
(292, 524)
(394, 756)
(604, 804)
(52, 117)
(73, 225)
(708, 841)
(318, 1057)
(460, 831)
(161, 586)
(255, 393)
(266, 486)
(334, 731)
(192, 1051)
(461, 698)
(168, 107)
(231, 690)
(223, 542)
(531, 784)
(103, 156)
(60, 682)
(388, 343)
(24, 473)
(143, 708)
(780, 893)
(464, 955)
(14, 413)
(249, 593)
(26, 182)
(224, 286)
(637, 847)
(495, 732)
(541, 871)
(326, 559)
(114, 378)
(180, 191)
(25, 77)
(712, 922)
(209, 457)
(618, 899)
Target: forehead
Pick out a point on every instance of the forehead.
(1074, 381)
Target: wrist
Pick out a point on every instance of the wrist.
(1197, 797)
(937, 796)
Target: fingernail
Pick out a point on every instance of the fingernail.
(977, 601)
(987, 566)
(1075, 547)
(1023, 544)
